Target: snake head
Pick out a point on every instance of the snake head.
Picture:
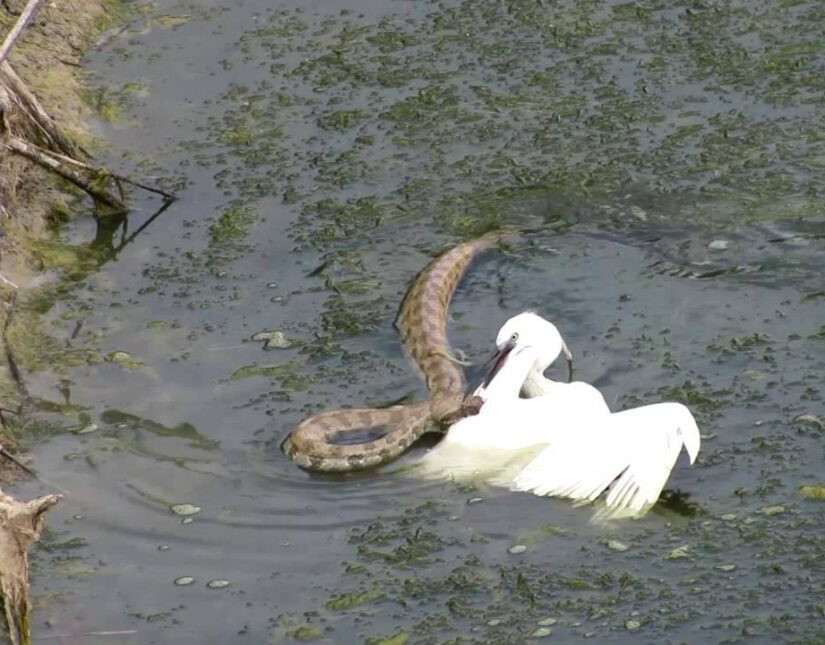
(448, 410)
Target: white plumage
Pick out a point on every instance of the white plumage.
(562, 441)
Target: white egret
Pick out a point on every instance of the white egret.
(494, 445)
(563, 441)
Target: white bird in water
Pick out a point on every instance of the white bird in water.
(562, 441)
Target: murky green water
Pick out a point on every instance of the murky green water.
(673, 151)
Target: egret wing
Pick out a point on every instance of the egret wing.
(631, 453)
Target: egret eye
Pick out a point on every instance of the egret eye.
(514, 337)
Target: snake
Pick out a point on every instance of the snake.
(317, 443)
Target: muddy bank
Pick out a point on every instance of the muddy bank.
(33, 201)
(47, 58)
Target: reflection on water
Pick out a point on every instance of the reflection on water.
(328, 156)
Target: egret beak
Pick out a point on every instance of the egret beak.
(569, 358)
(497, 362)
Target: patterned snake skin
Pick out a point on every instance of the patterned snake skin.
(422, 323)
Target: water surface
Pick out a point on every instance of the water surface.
(324, 152)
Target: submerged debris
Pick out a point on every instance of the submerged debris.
(678, 553)
(272, 339)
(185, 509)
(616, 545)
(772, 510)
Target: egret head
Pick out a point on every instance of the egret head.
(529, 332)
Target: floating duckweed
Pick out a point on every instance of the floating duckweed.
(79, 357)
(547, 622)
(272, 339)
(157, 324)
(516, 549)
(812, 492)
(276, 299)
(168, 20)
(273, 371)
(632, 625)
(494, 622)
(678, 552)
(124, 359)
(306, 633)
(772, 510)
(349, 600)
(718, 245)
(725, 567)
(541, 632)
(728, 517)
(217, 584)
(396, 639)
(475, 500)
(91, 427)
(184, 580)
(185, 509)
(271, 285)
(616, 545)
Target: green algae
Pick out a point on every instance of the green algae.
(347, 601)
(306, 633)
(285, 373)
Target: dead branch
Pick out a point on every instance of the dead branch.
(49, 161)
(114, 175)
(7, 455)
(36, 114)
(21, 94)
(18, 28)
(20, 526)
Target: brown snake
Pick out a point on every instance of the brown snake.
(422, 323)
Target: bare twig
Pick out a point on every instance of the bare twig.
(157, 191)
(7, 281)
(5, 453)
(114, 175)
(18, 28)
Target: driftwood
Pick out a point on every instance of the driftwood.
(20, 526)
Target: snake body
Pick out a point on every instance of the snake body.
(422, 323)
